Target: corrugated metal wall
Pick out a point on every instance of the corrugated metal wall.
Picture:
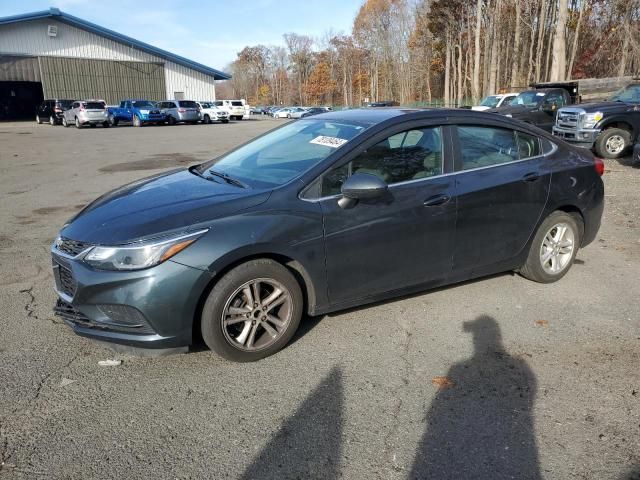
(109, 80)
(30, 38)
(19, 69)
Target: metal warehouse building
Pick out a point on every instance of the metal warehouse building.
(51, 54)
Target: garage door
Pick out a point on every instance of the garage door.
(104, 79)
(19, 69)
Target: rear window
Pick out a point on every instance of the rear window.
(218, 103)
(94, 106)
(187, 104)
(236, 104)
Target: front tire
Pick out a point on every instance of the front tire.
(613, 143)
(252, 311)
(553, 249)
(65, 124)
(52, 121)
(172, 121)
(38, 121)
(206, 119)
(136, 121)
(113, 121)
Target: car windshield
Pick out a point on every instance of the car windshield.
(530, 98)
(630, 93)
(143, 104)
(284, 153)
(491, 101)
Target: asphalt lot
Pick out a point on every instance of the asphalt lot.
(540, 381)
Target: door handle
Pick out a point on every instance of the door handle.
(436, 200)
(530, 177)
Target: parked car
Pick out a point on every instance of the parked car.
(495, 101)
(51, 111)
(178, 111)
(138, 112)
(210, 113)
(85, 112)
(285, 112)
(610, 127)
(384, 103)
(323, 214)
(313, 111)
(256, 110)
(538, 107)
(234, 107)
(297, 112)
(275, 110)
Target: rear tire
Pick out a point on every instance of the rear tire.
(172, 121)
(613, 143)
(553, 249)
(78, 124)
(206, 119)
(106, 124)
(52, 121)
(241, 340)
(65, 124)
(38, 121)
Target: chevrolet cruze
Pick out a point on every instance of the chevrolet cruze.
(319, 215)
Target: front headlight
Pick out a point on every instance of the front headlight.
(509, 115)
(141, 255)
(590, 119)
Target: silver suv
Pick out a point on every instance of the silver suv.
(86, 112)
(177, 111)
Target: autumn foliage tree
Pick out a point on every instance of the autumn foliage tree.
(447, 51)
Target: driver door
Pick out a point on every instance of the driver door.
(402, 239)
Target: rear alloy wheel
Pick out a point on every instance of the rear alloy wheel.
(52, 121)
(78, 124)
(553, 249)
(613, 143)
(252, 312)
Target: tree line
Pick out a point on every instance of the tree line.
(449, 52)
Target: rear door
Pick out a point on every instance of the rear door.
(402, 239)
(502, 183)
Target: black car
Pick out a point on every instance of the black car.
(50, 111)
(537, 107)
(609, 127)
(384, 103)
(323, 214)
(313, 111)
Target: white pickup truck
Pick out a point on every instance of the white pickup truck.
(234, 107)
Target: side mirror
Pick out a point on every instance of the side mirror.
(361, 186)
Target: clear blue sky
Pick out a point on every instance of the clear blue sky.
(207, 31)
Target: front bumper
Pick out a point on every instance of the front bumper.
(152, 118)
(580, 138)
(152, 308)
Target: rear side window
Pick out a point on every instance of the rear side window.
(94, 106)
(187, 104)
(528, 145)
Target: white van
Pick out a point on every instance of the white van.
(234, 107)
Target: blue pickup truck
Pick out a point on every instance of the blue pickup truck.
(137, 112)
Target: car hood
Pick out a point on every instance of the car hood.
(607, 107)
(173, 201)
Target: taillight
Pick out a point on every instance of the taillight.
(182, 110)
(57, 109)
(599, 165)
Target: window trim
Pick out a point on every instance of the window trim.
(447, 153)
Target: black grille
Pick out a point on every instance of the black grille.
(71, 314)
(71, 247)
(67, 282)
(66, 311)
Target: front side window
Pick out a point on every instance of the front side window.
(409, 155)
(487, 146)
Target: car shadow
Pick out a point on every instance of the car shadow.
(628, 161)
(309, 443)
(480, 424)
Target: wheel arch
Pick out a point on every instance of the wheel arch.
(294, 266)
(572, 210)
(621, 124)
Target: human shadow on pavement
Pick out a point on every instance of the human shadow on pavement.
(481, 426)
(309, 443)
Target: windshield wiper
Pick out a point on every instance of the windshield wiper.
(228, 179)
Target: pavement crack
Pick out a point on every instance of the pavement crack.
(44, 379)
(31, 303)
(395, 413)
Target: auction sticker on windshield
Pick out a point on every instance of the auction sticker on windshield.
(332, 142)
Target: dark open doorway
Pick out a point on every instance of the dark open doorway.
(19, 100)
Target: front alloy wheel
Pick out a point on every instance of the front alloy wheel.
(612, 143)
(252, 311)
